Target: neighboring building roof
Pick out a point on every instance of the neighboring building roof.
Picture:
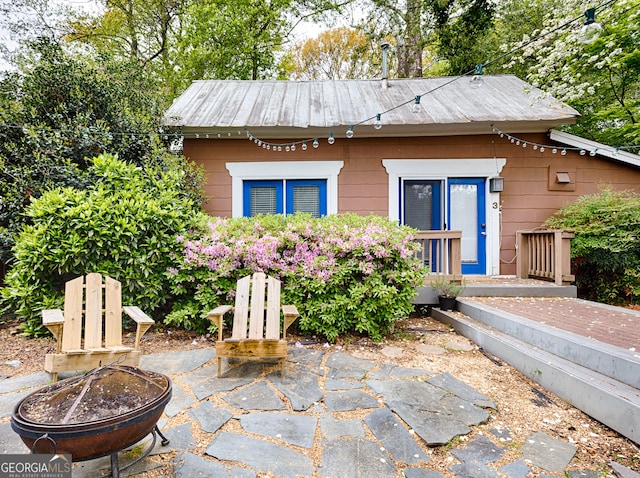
(593, 147)
(296, 109)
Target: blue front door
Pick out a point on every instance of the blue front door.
(467, 214)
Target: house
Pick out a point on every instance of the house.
(433, 153)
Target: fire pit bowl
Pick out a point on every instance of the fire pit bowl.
(95, 415)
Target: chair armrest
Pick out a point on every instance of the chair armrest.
(52, 317)
(290, 315)
(216, 316)
(140, 318)
(137, 315)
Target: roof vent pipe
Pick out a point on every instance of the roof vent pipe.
(384, 46)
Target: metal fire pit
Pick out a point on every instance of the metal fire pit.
(95, 415)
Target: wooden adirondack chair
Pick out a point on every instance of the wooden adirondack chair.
(255, 334)
(85, 298)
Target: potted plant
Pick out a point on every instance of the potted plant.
(447, 291)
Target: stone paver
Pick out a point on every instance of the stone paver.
(298, 430)
(262, 455)
(480, 451)
(547, 452)
(300, 388)
(357, 458)
(462, 390)
(342, 365)
(210, 417)
(257, 396)
(516, 469)
(188, 465)
(333, 428)
(403, 410)
(395, 437)
(349, 400)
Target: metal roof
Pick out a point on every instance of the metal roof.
(295, 109)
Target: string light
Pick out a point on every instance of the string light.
(350, 133)
(554, 149)
(477, 80)
(331, 139)
(377, 123)
(590, 30)
(417, 108)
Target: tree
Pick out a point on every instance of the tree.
(339, 53)
(144, 31)
(59, 111)
(600, 79)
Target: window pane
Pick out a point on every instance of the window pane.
(306, 199)
(418, 205)
(263, 200)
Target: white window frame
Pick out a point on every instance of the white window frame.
(282, 170)
(441, 169)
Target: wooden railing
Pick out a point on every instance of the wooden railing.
(441, 252)
(544, 254)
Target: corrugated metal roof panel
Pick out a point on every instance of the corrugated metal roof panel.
(278, 106)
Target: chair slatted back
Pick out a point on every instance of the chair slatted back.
(86, 295)
(260, 291)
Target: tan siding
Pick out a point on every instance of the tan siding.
(363, 181)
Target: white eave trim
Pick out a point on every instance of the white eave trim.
(599, 148)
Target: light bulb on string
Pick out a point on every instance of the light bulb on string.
(316, 143)
(417, 108)
(331, 139)
(563, 152)
(591, 29)
(350, 132)
(287, 148)
(593, 153)
(377, 124)
(293, 147)
(542, 149)
(304, 146)
(279, 148)
(582, 152)
(477, 80)
(554, 150)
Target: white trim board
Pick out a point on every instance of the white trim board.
(452, 168)
(276, 170)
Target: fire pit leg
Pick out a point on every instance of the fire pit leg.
(165, 440)
(115, 468)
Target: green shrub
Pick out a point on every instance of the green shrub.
(125, 226)
(606, 247)
(345, 273)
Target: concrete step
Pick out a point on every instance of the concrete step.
(615, 362)
(426, 295)
(613, 403)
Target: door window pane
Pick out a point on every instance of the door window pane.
(464, 217)
(421, 206)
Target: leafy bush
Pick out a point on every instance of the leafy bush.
(125, 226)
(606, 247)
(345, 273)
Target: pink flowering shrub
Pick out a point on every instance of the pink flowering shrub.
(345, 273)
